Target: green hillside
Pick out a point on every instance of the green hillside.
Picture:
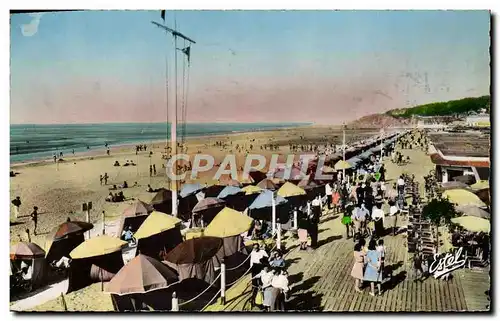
(448, 108)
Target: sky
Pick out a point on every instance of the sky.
(325, 67)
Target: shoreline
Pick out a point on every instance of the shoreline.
(97, 152)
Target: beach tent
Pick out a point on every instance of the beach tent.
(229, 225)
(158, 235)
(473, 224)
(229, 190)
(206, 209)
(96, 260)
(190, 189)
(64, 238)
(251, 189)
(463, 197)
(34, 256)
(261, 207)
(267, 184)
(143, 284)
(162, 201)
(134, 215)
(194, 258)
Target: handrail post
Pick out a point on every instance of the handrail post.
(223, 282)
(278, 239)
(175, 302)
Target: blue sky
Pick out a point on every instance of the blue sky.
(110, 65)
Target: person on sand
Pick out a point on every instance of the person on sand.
(149, 189)
(150, 170)
(17, 204)
(358, 267)
(154, 169)
(34, 218)
(100, 178)
(109, 198)
(106, 178)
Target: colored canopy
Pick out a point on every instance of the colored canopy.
(454, 185)
(229, 190)
(472, 210)
(293, 173)
(140, 275)
(354, 161)
(288, 189)
(365, 155)
(71, 227)
(265, 200)
(268, 184)
(228, 223)
(463, 197)
(251, 189)
(341, 164)
(163, 195)
(196, 250)
(472, 223)
(26, 251)
(207, 203)
(190, 189)
(156, 223)
(307, 184)
(97, 246)
(138, 208)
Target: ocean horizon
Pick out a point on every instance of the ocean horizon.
(31, 142)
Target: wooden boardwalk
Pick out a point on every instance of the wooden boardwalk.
(321, 280)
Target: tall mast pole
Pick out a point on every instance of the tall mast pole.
(174, 129)
(343, 150)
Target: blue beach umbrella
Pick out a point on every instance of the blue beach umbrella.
(354, 161)
(229, 190)
(265, 200)
(190, 189)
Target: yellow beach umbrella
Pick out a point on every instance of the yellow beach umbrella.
(251, 189)
(97, 246)
(481, 185)
(245, 180)
(341, 164)
(156, 223)
(472, 223)
(228, 222)
(288, 189)
(463, 197)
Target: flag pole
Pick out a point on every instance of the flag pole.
(174, 129)
(343, 151)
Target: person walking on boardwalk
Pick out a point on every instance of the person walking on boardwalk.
(34, 218)
(313, 222)
(381, 250)
(17, 204)
(303, 226)
(328, 192)
(358, 267)
(256, 257)
(372, 272)
(347, 220)
(378, 219)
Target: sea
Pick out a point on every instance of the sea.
(37, 142)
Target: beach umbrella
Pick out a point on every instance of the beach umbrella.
(327, 169)
(454, 185)
(251, 189)
(190, 189)
(365, 155)
(245, 180)
(472, 223)
(265, 200)
(471, 210)
(268, 184)
(140, 275)
(195, 250)
(482, 184)
(295, 174)
(207, 203)
(163, 195)
(307, 184)
(463, 197)
(138, 208)
(230, 182)
(484, 195)
(26, 251)
(228, 223)
(97, 246)
(288, 189)
(156, 223)
(229, 190)
(71, 227)
(353, 161)
(340, 165)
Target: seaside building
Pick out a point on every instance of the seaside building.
(457, 154)
(481, 120)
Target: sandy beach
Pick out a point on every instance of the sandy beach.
(60, 190)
